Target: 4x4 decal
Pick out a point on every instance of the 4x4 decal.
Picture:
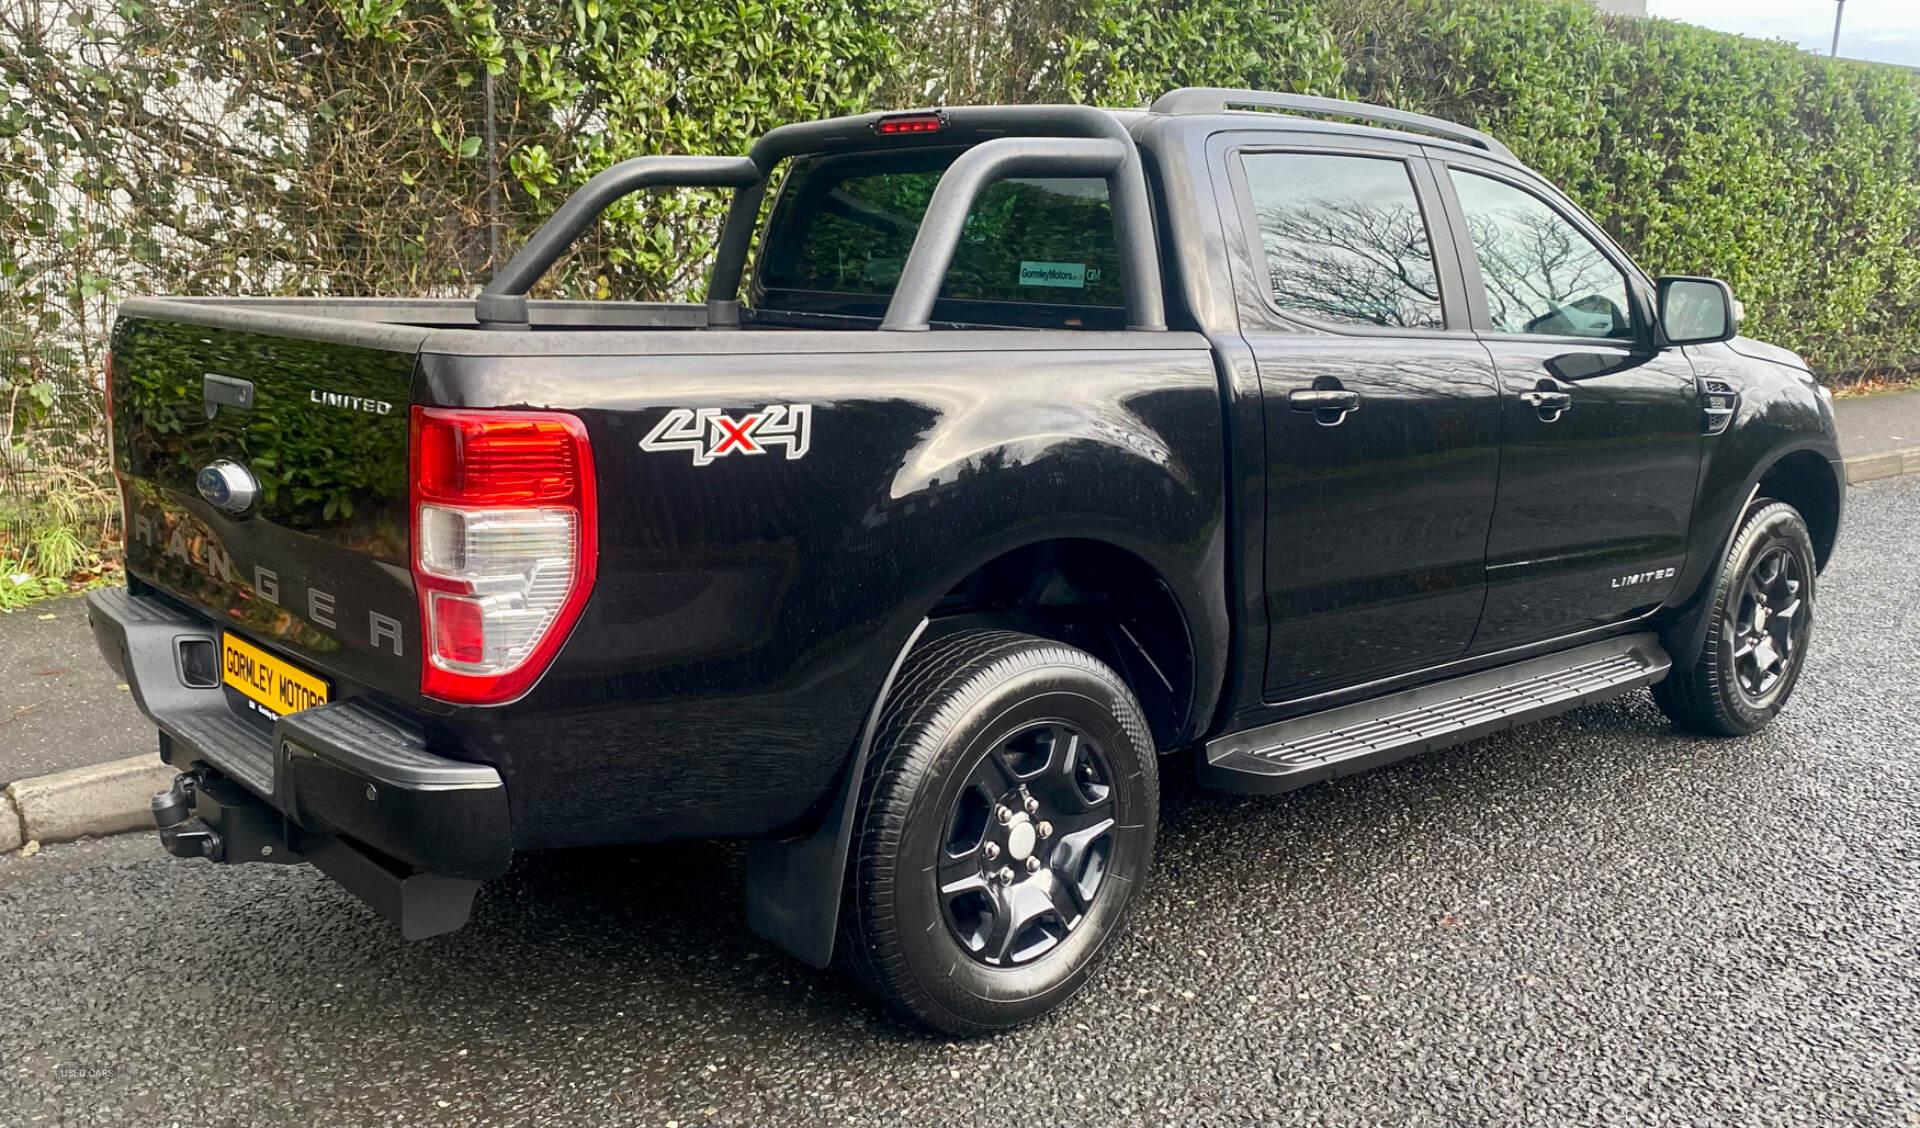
(710, 433)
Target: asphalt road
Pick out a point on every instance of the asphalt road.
(1591, 921)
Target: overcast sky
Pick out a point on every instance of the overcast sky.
(1886, 31)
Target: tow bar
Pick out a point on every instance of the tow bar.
(207, 816)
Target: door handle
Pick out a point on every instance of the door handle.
(1549, 402)
(1329, 405)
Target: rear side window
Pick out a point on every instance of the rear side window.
(1542, 275)
(842, 229)
(1345, 240)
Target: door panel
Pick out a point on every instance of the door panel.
(1601, 436)
(1591, 523)
(1382, 414)
(1376, 526)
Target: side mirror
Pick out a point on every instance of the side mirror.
(1696, 311)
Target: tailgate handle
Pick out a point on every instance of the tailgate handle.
(217, 391)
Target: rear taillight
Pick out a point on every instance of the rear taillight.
(504, 542)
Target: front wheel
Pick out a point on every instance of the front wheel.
(1006, 821)
(1757, 639)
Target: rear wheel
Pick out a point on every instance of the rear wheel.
(1757, 638)
(1007, 818)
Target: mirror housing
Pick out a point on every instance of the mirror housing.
(1696, 311)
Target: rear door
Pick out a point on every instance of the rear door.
(314, 413)
(1382, 410)
(1601, 431)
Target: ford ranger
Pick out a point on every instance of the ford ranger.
(1034, 444)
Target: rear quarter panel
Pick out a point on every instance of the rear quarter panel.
(746, 610)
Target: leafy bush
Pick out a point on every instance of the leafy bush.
(1796, 178)
(344, 146)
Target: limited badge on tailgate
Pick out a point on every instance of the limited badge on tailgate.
(270, 682)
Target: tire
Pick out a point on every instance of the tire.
(981, 721)
(1740, 683)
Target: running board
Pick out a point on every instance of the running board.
(1352, 738)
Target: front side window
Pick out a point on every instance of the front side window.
(1542, 275)
(1344, 238)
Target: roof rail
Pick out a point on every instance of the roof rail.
(1218, 99)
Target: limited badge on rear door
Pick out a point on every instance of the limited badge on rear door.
(710, 433)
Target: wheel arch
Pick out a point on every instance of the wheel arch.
(794, 887)
(1805, 477)
(1161, 636)
(1805, 480)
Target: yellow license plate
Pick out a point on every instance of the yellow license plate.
(271, 682)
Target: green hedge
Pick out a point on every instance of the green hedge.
(362, 164)
(1796, 178)
(341, 147)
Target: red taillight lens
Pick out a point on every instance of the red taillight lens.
(497, 458)
(459, 630)
(504, 542)
(932, 121)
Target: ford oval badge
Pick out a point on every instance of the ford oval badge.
(230, 486)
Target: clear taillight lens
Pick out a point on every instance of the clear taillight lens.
(516, 566)
(503, 546)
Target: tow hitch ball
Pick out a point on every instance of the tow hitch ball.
(183, 835)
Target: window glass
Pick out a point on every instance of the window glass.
(1344, 239)
(1541, 274)
(845, 227)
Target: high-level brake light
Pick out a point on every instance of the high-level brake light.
(930, 121)
(504, 542)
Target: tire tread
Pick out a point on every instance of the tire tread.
(1698, 698)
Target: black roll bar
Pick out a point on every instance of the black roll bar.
(503, 304)
(946, 219)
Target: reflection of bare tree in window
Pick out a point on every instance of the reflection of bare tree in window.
(1344, 260)
(1542, 275)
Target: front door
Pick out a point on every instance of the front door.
(1601, 431)
(1382, 415)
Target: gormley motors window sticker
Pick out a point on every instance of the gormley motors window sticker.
(1073, 275)
(710, 433)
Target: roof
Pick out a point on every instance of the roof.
(1216, 99)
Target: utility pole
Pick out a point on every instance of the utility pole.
(1840, 9)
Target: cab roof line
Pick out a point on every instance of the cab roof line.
(1220, 99)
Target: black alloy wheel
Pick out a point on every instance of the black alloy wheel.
(1769, 628)
(1006, 821)
(1027, 844)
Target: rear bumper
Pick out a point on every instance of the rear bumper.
(351, 785)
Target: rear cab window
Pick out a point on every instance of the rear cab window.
(1036, 251)
(1344, 239)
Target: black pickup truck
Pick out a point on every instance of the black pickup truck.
(1295, 436)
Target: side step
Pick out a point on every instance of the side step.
(1352, 738)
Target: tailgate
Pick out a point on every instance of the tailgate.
(310, 413)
